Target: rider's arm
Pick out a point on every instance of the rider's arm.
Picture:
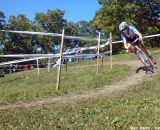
(126, 46)
(124, 42)
(139, 36)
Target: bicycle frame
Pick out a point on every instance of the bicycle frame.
(144, 58)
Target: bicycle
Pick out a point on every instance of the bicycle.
(144, 58)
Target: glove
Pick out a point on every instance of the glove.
(127, 50)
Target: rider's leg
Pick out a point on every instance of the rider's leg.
(141, 45)
(132, 50)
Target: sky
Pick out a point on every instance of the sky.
(75, 10)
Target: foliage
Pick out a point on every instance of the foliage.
(52, 22)
(143, 14)
(20, 43)
(2, 20)
(2, 25)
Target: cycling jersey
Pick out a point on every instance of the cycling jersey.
(130, 36)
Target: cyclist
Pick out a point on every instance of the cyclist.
(128, 35)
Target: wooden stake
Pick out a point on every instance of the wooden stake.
(60, 58)
(98, 46)
(37, 66)
(102, 61)
(66, 66)
(111, 50)
(49, 64)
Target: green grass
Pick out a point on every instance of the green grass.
(138, 106)
(30, 85)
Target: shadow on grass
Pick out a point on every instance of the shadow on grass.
(144, 68)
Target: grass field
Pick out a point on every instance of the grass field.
(30, 85)
(138, 106)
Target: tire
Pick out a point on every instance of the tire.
(146, 61)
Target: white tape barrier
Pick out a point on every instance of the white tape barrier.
(85, 55)
(107, 43)
(117, 42)
(149, 36)
(69, 37)
(55, 34)
(69, 51)
(32, 55)
(155, 35)
(49, 56)
(20, 61)
(36, 55)
(74, 50)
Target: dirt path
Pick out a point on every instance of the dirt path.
(133, 79)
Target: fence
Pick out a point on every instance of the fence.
(64, 55)
(61, 55)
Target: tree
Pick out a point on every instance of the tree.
(52, 22)
(85, 29)
(2, 26)
(2, 20)
(19, 43)
(144, 14)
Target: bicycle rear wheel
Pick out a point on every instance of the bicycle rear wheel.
(146, 61)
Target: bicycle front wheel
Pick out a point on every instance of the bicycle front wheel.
(146, 61)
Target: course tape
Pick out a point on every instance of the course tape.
(155, 35)
(49, 56)
(32, 55)
(55, 34)
(19, 61)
